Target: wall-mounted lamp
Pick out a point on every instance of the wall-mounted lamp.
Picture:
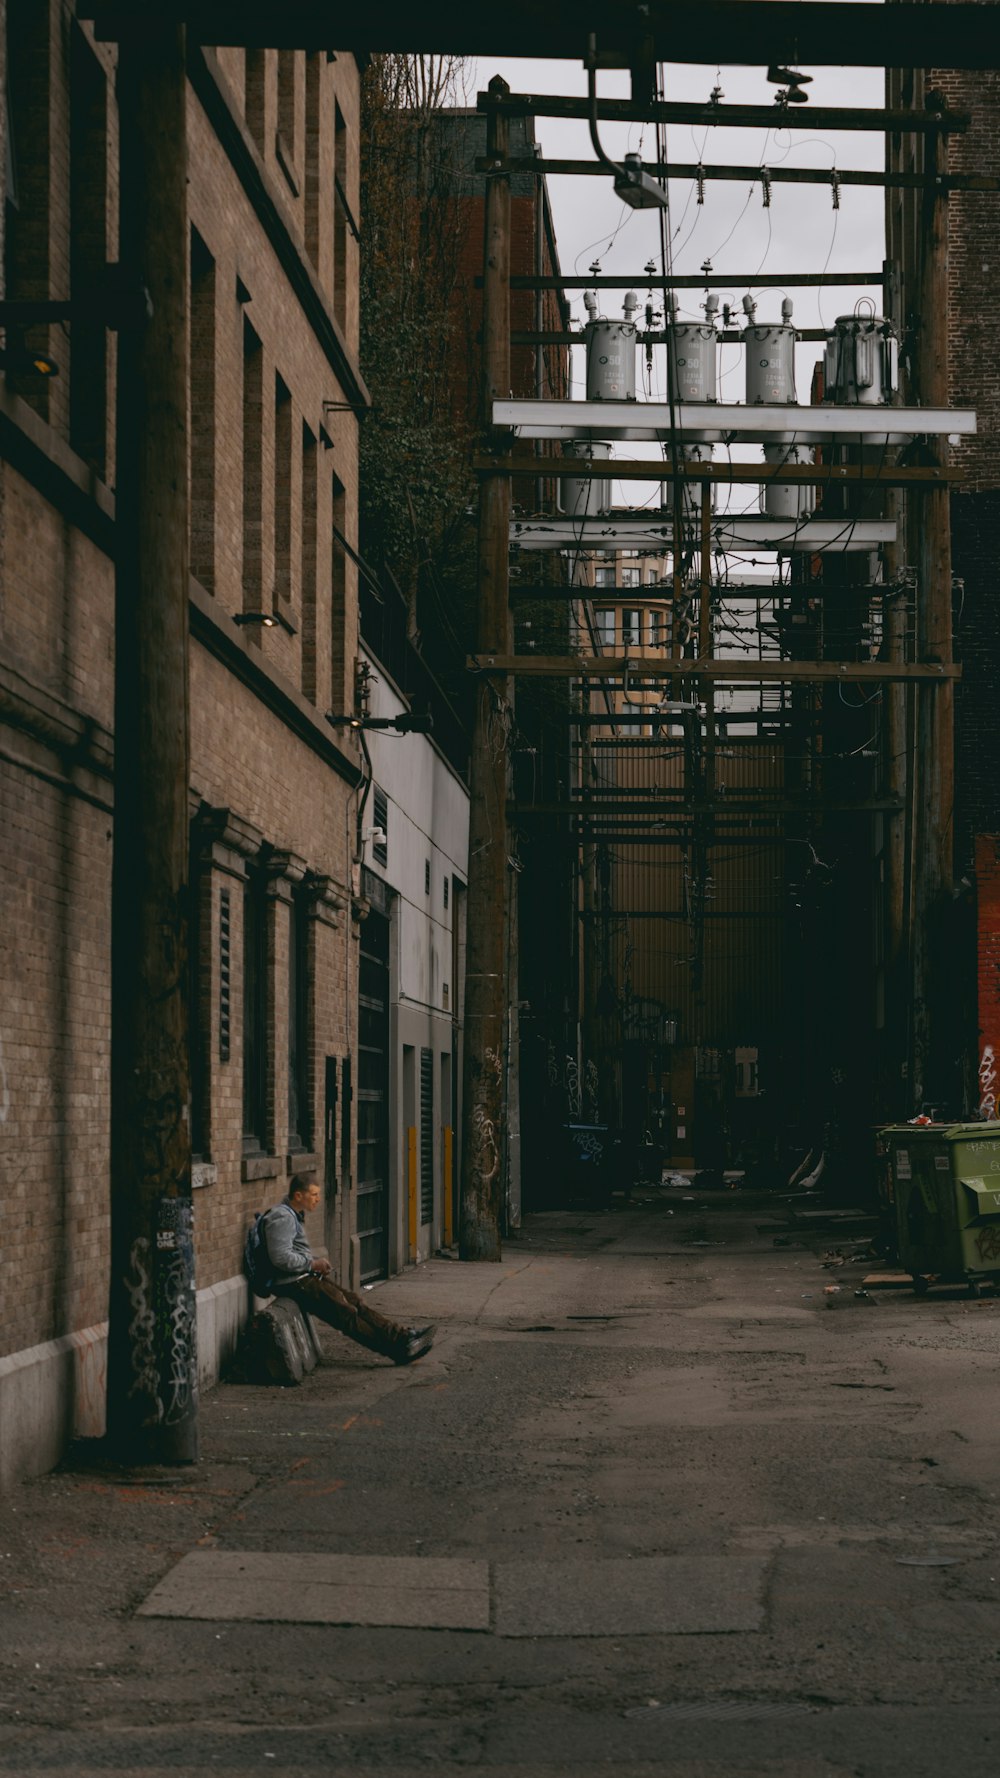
(408, 722)
(18, 358)
(268, 620)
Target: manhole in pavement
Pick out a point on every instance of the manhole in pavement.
(733, 1710)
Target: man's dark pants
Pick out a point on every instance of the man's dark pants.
(348, 1313)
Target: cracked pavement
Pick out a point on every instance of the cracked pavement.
(721, 1527)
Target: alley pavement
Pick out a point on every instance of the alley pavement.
(667, 1497)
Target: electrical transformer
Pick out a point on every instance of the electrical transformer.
(788, 500)
(770, 381)
(694, 354)
(585, 497)
(770, 357)
(610, 351)
(860, 363)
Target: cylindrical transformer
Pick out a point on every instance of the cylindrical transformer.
(610, 360)
(590, 496)
(860, 363)
(694, 361)
(770, 364)
(787, 500)
(695, 454)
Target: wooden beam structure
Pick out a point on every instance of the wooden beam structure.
(817, 33)
(654, 469)
(713, 280)
(831, 177)
(738, 117)
(601, 666)
(725, 337)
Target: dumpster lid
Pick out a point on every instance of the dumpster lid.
(987, 1134)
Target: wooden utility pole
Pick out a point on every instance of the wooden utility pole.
(485, 998)
(152, 1371)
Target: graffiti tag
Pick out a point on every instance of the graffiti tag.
(988, 1243)
(988, 1085)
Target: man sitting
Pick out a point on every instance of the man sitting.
(296, 1273)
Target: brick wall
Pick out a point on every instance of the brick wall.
(264, 794)
(973, 267)
(974, 381)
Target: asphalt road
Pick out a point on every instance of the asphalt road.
(651, 1506)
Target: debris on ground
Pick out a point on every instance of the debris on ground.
(887, 1281)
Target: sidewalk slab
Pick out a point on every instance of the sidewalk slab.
(405, 1592)
(651, 1596)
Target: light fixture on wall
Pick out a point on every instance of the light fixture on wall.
(408, 722)
(268, 620)
(21, 361)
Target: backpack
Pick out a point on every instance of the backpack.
(256, 1264)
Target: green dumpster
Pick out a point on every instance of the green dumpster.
(945, 1179)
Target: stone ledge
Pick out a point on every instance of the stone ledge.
(260, 1166)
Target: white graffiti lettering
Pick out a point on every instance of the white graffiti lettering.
(987, 1085)
(142, 1327)
(487, 1155)
(572, 1087)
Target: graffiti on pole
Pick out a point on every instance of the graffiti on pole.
(572, 1079)
(988, 1085)
(142, 1327)
(176, 1306)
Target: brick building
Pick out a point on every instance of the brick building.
(970, 928)
(275, 393)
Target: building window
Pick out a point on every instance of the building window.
(88, 252)
(309, 564)
(282, 494)
(380, 822)
(630, 576)
(338, 600)
(199, 979)
(202, 479)
(311, 157)
(286, 143)
(253, 471)
(256, 90)
(30, 161)
(604, 577)
(299, 1023)
(604, 623)
(657, 629)
(632, 629)
(340, 221)
(255, 1015)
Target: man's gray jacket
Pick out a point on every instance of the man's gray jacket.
(288, 1251)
